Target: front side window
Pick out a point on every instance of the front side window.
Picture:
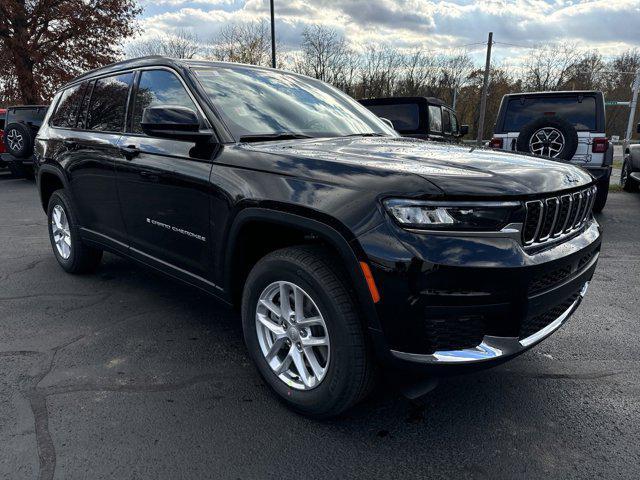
(255, 102)
(454, 123)
(109, 103)
(446, 120)
(579, 111)
(67, 109)
(158, 87)
(435, 119)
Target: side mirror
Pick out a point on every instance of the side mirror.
(464, 130)
(638, 128)
(388, 122)
(172, 121)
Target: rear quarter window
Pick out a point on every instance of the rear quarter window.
(67, 110)
(579, 112)
(405, 116)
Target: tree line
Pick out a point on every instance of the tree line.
(45, 43)
(383, 70)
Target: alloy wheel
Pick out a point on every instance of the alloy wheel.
(293, 335)
(61, 232)
(547, 141)
(15, 140)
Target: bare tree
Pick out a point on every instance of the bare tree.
(379, 71)
(181, 44)
(548, 66)
(326, 56)
(243, 43)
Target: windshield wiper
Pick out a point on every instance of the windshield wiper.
(263, 137)
(368, 134)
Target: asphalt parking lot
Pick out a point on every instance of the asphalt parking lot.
(126, 374)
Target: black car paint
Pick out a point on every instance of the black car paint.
(331, 188)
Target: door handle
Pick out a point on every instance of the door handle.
(129, 151)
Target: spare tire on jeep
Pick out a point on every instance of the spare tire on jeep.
(18, 139)
(549, 136)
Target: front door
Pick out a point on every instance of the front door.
(163, 184)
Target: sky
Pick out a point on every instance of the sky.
(608, 26)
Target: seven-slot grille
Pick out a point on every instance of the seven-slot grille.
(552, 217)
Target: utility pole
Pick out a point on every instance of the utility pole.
(273, 36)
(632, 107)
(485, 90)
(455, 97)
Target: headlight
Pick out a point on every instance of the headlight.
(484, 216)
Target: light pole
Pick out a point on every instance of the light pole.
(485, 90)
(273, 37)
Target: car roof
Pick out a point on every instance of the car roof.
(432, 100)
(554, 92)
(159, 61)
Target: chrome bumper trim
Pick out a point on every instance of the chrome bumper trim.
(492, 348)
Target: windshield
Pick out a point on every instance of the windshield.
(266, 103)
(581, 113)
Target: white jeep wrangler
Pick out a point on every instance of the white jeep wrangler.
(567, 126)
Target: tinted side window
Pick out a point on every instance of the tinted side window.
(84, 106)
(454, 123)
(158, 87)
(435, 119)
(67, 109)
(109, 103)
(405, 116)
(446, 121)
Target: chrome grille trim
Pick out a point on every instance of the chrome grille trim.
(580, 205)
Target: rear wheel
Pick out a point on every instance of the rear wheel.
(627, 183)
(304, 333)
(603, 193)
(72, 255)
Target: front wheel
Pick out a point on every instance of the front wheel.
(602, 194)
(304, 333)
(72, 255)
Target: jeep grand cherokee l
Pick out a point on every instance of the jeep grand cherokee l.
(345, 245)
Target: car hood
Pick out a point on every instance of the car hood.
(455, 169)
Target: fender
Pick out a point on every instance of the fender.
(51, 169)
(347, 250)
(634, 157)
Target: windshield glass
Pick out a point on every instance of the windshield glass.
(255, 102)
(520, 111)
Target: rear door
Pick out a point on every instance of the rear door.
(163, 184)
(91, 152)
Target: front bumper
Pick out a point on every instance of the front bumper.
(492, 348)
(452, 302)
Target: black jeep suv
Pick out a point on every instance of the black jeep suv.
(345, 245)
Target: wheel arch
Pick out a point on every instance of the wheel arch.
(311, 230)
(50, 179)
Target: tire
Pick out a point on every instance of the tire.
(602, 195)
(18, 169)
(627, 183)
(349, 369)
(81, 258)
(18, 139)
(568, 131)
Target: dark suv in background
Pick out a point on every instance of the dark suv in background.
(21, 126)
(345, 245)
(419, 117)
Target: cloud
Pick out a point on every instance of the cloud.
(604, 25)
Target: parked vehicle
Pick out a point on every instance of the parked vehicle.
(3, 112)
(419, 117)
(568, 126)
(21, 126)
(630, 174)
(345, 246)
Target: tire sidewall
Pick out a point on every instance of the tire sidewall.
(60, 199)
(273, 270)
(568, 131)
(27, 137)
